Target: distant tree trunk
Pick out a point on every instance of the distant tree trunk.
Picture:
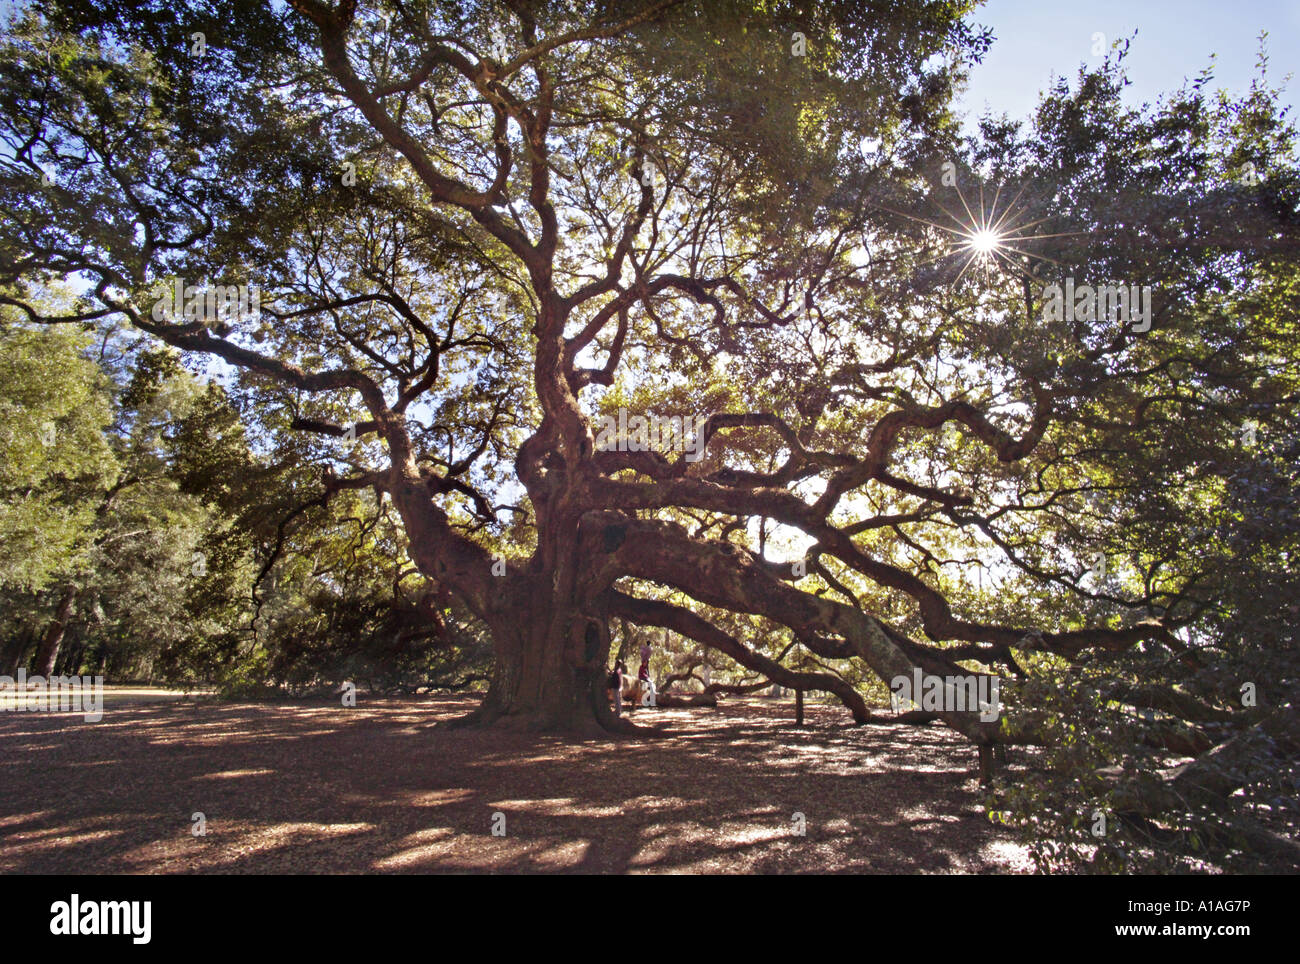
(987, 763)
(48, 651)
(798, 707)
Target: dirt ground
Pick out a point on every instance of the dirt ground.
(312, 788)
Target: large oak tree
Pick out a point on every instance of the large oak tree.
(478, 228)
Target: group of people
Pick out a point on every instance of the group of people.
(642, 686)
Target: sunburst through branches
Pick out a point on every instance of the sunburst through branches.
(992, 234)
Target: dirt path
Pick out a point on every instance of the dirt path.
(297, 788)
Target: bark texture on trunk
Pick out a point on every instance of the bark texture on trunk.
(549, 675)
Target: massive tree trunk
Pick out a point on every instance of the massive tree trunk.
(535, 684)
(549, 671)
(48, 651)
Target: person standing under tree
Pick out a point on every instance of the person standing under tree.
(645, 690)
(616, 684)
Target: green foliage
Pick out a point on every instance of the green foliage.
(1185, 478)
(54, 409)
(154, 505)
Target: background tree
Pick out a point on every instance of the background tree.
(53, 409)
(155, 537)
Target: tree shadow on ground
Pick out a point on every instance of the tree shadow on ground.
(314, 788)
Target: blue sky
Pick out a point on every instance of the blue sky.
(1035, 39)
